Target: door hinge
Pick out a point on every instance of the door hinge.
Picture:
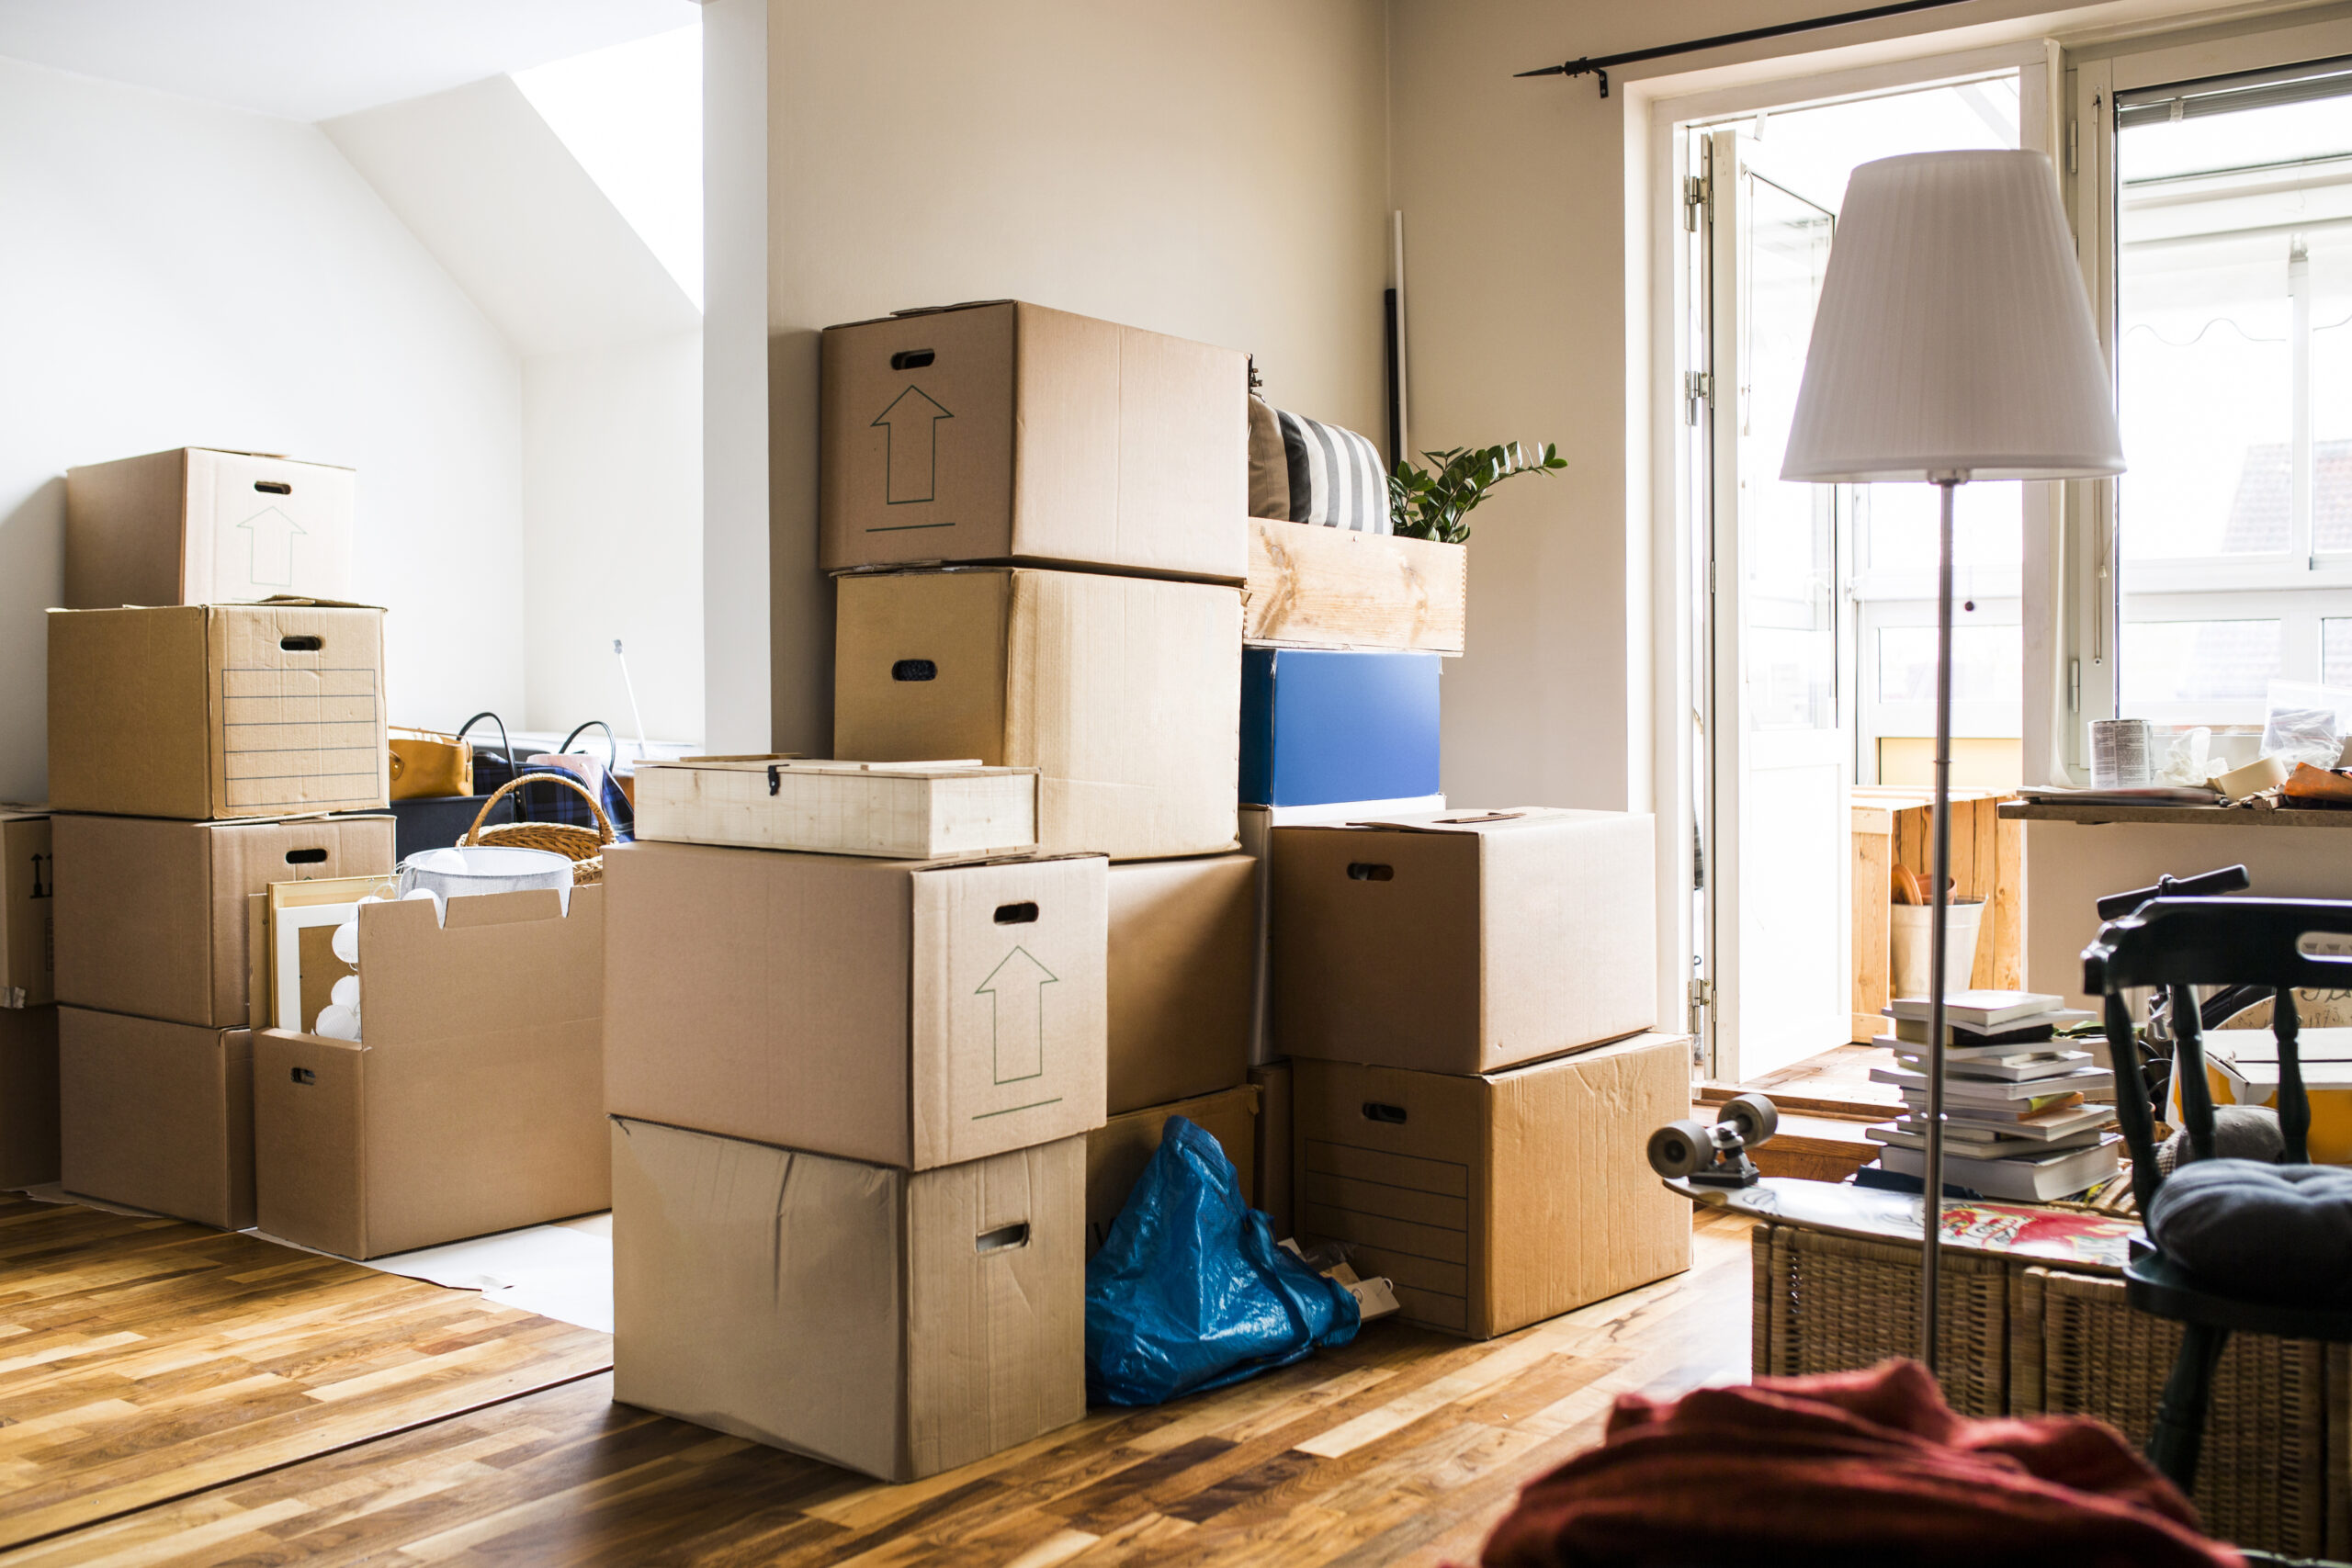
(2073, 686)
(1698, 198)
(2074, 146)
(1702, 998)
(1697, 392)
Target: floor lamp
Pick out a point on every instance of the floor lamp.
(1952, 342)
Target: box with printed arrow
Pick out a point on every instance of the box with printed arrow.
(906, 1013)
(196, 526)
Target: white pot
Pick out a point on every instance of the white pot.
(1910, 939)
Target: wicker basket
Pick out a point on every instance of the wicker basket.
(1831, 1303)
(583, 846)
(2263, 1481)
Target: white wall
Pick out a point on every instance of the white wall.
(176, 274)
(612, 487)
(1216, 170)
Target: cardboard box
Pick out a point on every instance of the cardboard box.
(1314, 587)
(195, 526)
(2242, 1065)
(1006, 432)
(1273, 1082)
(892, 811)
(474, 1103)
(1320, 727)
(1497, 1201)
(218, 710)
(1463, 942)
(28, 1097)
(902, 1012)
(153, 919)
(157, 1115)
(897, 1323)
(1122, 692)
(28, 906)
(1183, 935)
(1117, 1151)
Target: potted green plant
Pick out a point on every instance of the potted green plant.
(1431, 505)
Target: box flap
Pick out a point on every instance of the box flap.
(1476, 819)
(503, 961)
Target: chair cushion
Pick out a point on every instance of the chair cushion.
(2270, 1233)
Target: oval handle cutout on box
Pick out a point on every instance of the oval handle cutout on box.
(1379, 1111)
(305, 857)
(912, 358)
(273, 487)
(304, 1075)
(1365, 871)
(914, 669)
(1003, 1239)
(302, 644)
(1015, 914)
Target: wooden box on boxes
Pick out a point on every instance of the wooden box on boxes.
(1313, 587)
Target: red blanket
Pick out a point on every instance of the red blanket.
(1868, 1465)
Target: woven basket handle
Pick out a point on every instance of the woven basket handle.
(603, 823)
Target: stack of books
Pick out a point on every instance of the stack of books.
(2020, 1119)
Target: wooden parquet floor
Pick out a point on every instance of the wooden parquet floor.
(1403, 1447)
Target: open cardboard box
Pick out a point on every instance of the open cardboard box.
(474, 1101)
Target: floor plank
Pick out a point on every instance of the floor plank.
(143, 1360)
(1404, 1447)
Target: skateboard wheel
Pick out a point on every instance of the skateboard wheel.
(1678, 1148)
(1753, 1116)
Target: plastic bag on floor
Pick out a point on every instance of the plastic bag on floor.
(1190, 1291)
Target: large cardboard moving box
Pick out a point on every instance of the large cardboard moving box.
(28, 1097)
(28, 906)
(897, 1323)
(157, 1115)
(1125, 693)
(1325, 726)
(193, 527)
(1183, 938)
(474, 1103)
(1463, 941)
(1494, 1202)
(904, 1014)
(1006, 432)
(218, 710)
(154, 920)
(1117, 1152)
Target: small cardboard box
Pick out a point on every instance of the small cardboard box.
(157, 1115)
(1183, 935)
(1125, 693)
(195, 526)
(892, 811)
(1497, 1201)
(1314, 587)
(28, 1097)
(1117, 1151)
(1273, 1082)
(218, 710)
(2242, 1065)
(1463, 941)
(27, 908)
(154, 920)
(475, 1103)
(905, 1013)
(1006, 432)
(1321, 726)
(897, 1323)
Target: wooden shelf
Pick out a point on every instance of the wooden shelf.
(2174, 816)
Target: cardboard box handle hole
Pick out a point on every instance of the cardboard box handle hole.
(305, 857)
(1375, 1111)
(912, 358)
(914, 669)
(1364, 871)
(1003, 1239)
(304, 1075)
(301, 644)
(273, 487)
(1015, 914)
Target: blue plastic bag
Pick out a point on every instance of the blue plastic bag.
(1190, 1292)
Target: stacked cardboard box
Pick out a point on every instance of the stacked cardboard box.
(197, 753)
(28, 1000)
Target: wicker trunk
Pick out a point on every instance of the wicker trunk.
(1828, 1304)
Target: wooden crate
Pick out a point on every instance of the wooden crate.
(1312, 587)
(1895, 826)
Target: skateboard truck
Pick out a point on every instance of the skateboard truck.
(1716, 1156)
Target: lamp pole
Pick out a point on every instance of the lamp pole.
(1931, 1182)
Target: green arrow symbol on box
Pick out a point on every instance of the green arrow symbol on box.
(1017, 988)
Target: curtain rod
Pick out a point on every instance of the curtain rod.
(1600, 67)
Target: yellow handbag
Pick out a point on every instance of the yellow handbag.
(427, 764)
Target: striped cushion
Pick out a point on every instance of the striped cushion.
(1335, 478)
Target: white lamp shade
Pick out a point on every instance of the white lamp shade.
(1952, 336)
